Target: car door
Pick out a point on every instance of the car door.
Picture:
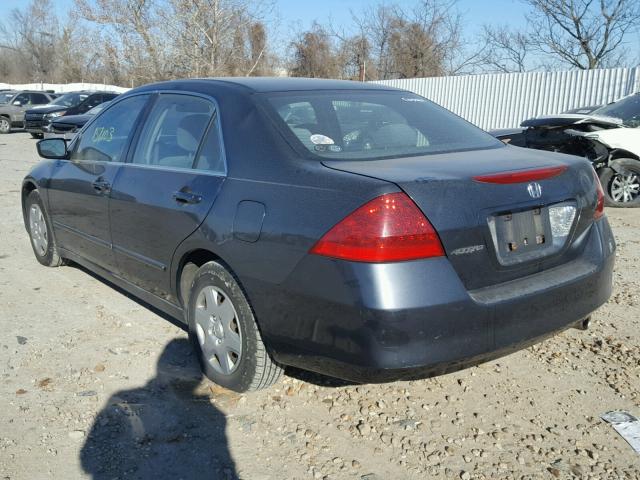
(20, 104)
(79, 188)
(167, 188)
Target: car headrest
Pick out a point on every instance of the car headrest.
(395, 135)
(190, 131)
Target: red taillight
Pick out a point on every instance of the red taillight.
(600, 203)
(389, 228)
(521, 176)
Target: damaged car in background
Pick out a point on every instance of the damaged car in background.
(609, 137)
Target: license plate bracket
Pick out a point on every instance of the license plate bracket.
(521, 236)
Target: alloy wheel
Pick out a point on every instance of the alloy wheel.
(218, 330)
(38, 230)
(625, 187)
(5, 126)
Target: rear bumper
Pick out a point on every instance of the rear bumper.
(372, 322)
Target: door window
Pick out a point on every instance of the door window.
(106, 138)
(39, 99)
(173, 131)
(23, 98)
(91, 102)
(210, 156)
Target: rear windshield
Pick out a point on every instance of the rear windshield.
(368, 125)
(70, 99)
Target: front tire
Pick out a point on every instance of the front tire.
(224, 333)
(621, 184)
(5, 125)
(40, 232)
(37, 135)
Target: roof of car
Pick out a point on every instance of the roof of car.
(284, 84)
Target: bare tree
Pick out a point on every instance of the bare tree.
(314, 54)
(585, 34)
(423, 41)
(505, 50)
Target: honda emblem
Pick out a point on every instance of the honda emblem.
(535, 190)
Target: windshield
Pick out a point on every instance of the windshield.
(626, 109)
(369, 124)
(6, 96)
(70, 99)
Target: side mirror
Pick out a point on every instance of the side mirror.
(17, 103)
(53, 148)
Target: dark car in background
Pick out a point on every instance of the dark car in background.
(67, 126)
(37, 120)
(14, 104)
(347, 228)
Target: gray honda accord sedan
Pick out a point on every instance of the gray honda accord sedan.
(351, 229)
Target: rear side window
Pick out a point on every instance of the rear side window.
(105, 138)
(367, 125)
(39, 99)
(173, 131)
(210, 157)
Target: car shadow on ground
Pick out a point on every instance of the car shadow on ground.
(164, 429)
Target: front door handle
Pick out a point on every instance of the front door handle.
(186, 197)
(101, 185)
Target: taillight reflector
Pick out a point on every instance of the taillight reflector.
(600, 202)
(389, 228)
(521, 176)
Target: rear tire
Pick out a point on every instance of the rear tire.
(621, 190)
(40, 232)
(224, 333)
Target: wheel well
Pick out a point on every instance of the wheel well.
(189, 265)
(619, 153)
(27, 188)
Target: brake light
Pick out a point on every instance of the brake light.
(521, 176)
(389, 228)
(600, 202)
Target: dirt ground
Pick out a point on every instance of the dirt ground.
(94, 384)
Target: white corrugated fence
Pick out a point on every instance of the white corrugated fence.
(504, 100)
(64, 87)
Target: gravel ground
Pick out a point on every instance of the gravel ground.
(94, 384)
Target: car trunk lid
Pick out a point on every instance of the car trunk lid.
(495, 232)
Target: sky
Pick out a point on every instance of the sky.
(297, 15)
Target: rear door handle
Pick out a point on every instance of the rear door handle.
(101, 185)
(186, 197)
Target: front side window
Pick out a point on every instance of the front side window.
(23, 99)
(367, 125)
(91, 102)
(105, 139)
(70, 99)
(173, 130)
